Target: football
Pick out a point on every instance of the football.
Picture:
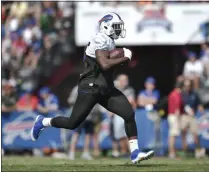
(116, 53)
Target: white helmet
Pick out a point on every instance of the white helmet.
(112, 25)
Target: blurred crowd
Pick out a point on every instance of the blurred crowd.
(196, 69)
(190, 95)
(29, 32)
(44, 103)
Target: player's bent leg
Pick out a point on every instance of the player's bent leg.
(117, 103)
(83, 106)
(84, 103)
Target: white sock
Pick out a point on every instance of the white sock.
(46, 122)
(133, 144)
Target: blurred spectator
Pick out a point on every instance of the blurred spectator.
(204, 90)
(47, 17)
(6, 53)
(4, 13)
(48, 102)
(31, 60)
(193, 69)
(205, 61)
(204, 50)
(19, 9)
(175, 109)
(204, 29)
(28, 32)
(122, 83)
(118, 135)
(96, 118)
(27, 102)
(117, 123)
(36, 45)
(65, 8)
(188, 121)
(149, 97)
(9, 97)
(19, 47)
(13, 24)
(89, 126)
(26, 28)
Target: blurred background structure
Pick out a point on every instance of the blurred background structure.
(42, 51)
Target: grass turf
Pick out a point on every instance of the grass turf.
(31, 164)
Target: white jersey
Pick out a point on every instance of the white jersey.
(99, 41)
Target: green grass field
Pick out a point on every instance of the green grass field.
(30, 164)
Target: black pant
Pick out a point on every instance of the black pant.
(114, 101)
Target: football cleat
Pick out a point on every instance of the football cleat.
(137, 156)
(37, 128)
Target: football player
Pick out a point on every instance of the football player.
(96, 86)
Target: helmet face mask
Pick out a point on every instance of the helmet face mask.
(119, 30)
(112, 25)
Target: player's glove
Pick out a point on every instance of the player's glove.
(127, 53)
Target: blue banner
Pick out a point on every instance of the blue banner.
(16, 127)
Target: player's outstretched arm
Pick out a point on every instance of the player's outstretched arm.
(106, 63)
